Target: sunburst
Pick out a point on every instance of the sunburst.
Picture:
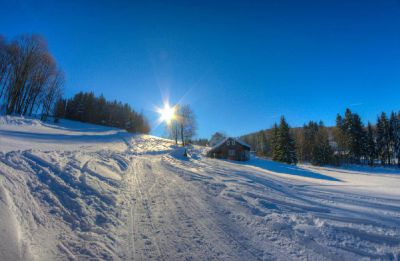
(167, 114)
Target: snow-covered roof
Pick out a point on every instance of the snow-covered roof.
(227, 138)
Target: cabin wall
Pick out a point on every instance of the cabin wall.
(236, 152)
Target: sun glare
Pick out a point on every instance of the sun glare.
(167, 114)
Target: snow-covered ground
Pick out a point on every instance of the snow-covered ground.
(75, 191)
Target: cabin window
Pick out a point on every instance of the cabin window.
(228, 142)
(231, 152)
(233, 142)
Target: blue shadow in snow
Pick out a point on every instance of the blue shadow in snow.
(348, 169)
(177, 153)
(68, 125)
(286, 169)
(62, 138)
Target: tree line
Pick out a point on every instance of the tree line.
(30, 80)
(86, 107)
(348, 142)
(31, 84)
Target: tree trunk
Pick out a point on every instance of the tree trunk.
(176, 134)
(183, 141)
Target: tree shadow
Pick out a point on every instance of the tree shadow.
(76, 126)
(363, 169)
(62, 138)
(286, 169)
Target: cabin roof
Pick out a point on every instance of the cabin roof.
(227, 138)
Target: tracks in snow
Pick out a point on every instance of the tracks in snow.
(148, 204)
(168, 219)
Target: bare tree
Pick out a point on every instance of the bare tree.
(183, 126)
(173, 126)
(174, 130)
(187, 124)
(29, 77)
(4, 65)
(52, 95)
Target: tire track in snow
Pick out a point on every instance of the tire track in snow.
(218, 242)
(215, 226)
(142, 243)
(132, 220)
(284, 190)
(172, 217)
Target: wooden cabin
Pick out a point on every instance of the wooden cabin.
(231, 149)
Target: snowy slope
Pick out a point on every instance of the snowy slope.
(81, 192)
(18, 133)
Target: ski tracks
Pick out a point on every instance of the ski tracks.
(168, 219)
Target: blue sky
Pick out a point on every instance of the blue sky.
(239, 64)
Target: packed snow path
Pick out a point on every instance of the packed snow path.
(112, 196)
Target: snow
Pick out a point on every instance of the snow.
(74, 191)
(227, 138)
(19, 133)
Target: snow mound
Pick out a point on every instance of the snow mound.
(19, 121)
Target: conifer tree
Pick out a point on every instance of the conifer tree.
(322, 152)
(395, 136)
(60, 109)
(284, 145)
(86, 107)
(382, 138)
(350, 136)
(339, 137)
(358, 137)
(309, 139)
(370, 148)
(274, 142)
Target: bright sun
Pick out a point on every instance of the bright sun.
(167, 114)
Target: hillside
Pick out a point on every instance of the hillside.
(76, 191)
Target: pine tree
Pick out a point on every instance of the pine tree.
(339, 137)
(395, 136)
(322, 152)
(347, 126)
(309, 139)
(60, 109)
(358, 137)
(284, 145)
(86, 107)
(274, 142)
(370, 149)
(350, 136)
(382, 138)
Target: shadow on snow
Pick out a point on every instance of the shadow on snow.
(63, 138)
(286, 169)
